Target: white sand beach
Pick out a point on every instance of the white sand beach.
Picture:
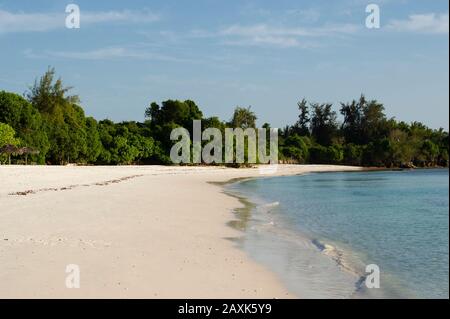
(134, 231)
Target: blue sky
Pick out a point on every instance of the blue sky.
(222, 53)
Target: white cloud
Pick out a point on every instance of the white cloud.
(431, 23)
(97, 54)
(261, 30)
(283, 37)
(107, 53)
(24, 22)
(307, 15)
(281, 42)
(289, 37)
(119, 16)
(39, 22)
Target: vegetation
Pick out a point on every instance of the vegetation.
(48, 125)
(366, 137)
(8, 142)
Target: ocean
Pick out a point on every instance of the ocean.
(318, 232)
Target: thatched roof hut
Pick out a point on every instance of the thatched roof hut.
(8, 149)
(28, 151)
(11, 149)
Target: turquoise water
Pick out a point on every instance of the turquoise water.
(319, 231)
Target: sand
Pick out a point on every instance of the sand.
(134, 232)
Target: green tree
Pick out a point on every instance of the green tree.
(353, 154)
(64, 118)
(75, 120)
(243, 118)
(375, 125)
(170, 115)
(178, 112)
(326, 155)
(378, 153)
(94, 145)
(324, 126)
(402, 150)
(213, 122)
(301, 127)
(352, 127)
(26, 121)
(296, 148)
(7, 137)
(125, 143)
(364, 121)
(429, 153)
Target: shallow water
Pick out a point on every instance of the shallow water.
(319, 231)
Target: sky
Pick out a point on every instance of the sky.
(227, 53)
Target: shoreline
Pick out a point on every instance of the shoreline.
(130, 237)
(260, 210)
(250, 208)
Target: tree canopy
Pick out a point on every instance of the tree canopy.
(365, 137)
(49, 125)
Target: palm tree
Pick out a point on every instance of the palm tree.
(243, 118)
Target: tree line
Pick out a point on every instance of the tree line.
(48, 126)
(365, 137)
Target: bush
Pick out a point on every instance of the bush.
(326, 155)
(353, 154)
(296, 148)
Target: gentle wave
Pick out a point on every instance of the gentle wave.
(352, 221)
(266, 222)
